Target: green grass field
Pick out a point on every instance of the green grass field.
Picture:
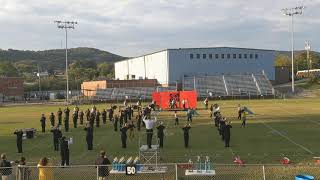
(279, 128)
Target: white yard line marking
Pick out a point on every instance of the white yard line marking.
(286, 137)
(292, 114)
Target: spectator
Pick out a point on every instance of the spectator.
(45, 173)
(5, 167)
(102, 163)
(23, 171)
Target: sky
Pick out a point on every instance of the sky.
(135, 27)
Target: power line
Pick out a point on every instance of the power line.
(66, 25)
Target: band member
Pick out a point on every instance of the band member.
(104, 116)
(64, 151)
(160, 134)
(176, 119)
(52, 119)
(87, 114)
(57, 134)
(206, 103)
(19, 135)
(239, 111)
(227, 134)
(131, 128)
(59, 113)
(186, 130)
(189, 115)
(111, 113)
(115, 122)
(149, 129)
(123, 131)
(89, 137)
(66, 119)
(81, 114)
(43, 123)
(244, 118)
(139, 119)
(75, 119)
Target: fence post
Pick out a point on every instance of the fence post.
(263, 173)
(176, 167)
(97, 167)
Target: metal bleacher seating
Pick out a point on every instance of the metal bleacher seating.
(264, 84)
(229, 85)
(122, 93)
(216, 85)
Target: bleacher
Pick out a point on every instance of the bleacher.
(264, 84)
(229, 85)
(205, 84)
(122, 93)
(216, 85)
(241, 85)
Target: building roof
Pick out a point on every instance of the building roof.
(175, 49)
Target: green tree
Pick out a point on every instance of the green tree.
(7, 69)
(301, 61)
(105, 69)
(282, 60)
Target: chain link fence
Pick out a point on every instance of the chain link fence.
(159, 171)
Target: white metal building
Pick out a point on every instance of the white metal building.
(170, 65)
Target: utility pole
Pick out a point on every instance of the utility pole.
(307, 47)
(291, 12)
(66, 25)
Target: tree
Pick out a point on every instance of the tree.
(7, 69)
(282, 60)
(105, 69)
(301, 61)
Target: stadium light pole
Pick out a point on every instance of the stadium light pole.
(66, 25)
(307, 47)
(291, 12)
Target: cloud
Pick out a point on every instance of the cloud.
(135, 27)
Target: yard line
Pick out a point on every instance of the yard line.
(284, 110)
(286, 137)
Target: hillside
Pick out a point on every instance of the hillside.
(55, 58)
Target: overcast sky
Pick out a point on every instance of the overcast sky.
(135, 27)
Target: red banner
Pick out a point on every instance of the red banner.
(175, 99)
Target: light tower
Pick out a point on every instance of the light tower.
(66, 25)
(291, 12)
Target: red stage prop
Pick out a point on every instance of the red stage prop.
(163, 99)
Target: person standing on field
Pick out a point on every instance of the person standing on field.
(88, 114)
(57, 134)
(123, 131)
(89, 137)
(104, 116)
(149, 129)
(59, 113)
(66, 119)
(186, 130)
(43, 123)
(52, 119)
(227, 134)
(176, 119)
(64, 151)
(81, 115)
(244, 118)
(98, 118)
(19, 135)
(160, 134)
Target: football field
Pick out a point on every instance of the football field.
(279, 128)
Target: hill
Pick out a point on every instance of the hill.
(55, 59)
